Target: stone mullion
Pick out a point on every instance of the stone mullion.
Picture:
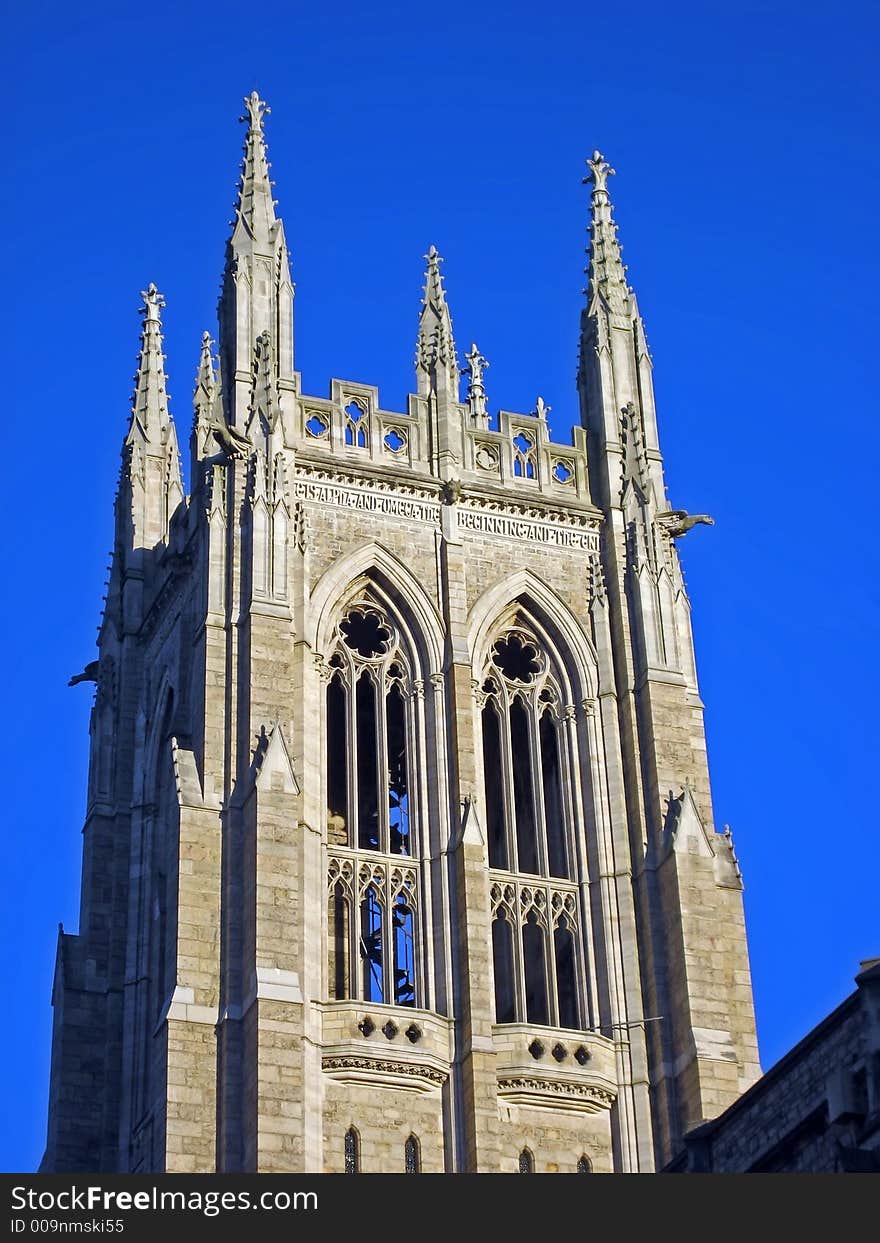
(552, 987)
(387, 939)
(352, 756)
(543, 849)
(519, 954)
(382, 772)
(506, 776)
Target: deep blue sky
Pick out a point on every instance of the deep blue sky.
(745, 146)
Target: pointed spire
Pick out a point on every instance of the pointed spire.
(476, 393)
(436, 363)
(151, 486)
(606, 271)
(149, 411)
(255, 208)
(204, 405)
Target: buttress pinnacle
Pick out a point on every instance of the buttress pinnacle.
(150, 398)
(436, 363)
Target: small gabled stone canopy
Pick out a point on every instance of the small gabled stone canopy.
(272, 767)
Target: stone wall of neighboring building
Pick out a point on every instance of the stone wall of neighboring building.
(816, 1111)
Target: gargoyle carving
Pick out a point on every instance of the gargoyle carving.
(450, 491)
(230, 441)
(89, 674)
(678, 521)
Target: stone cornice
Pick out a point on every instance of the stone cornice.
(377, 1070)
(556, 1093)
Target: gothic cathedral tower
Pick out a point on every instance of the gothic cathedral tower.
(399, 852)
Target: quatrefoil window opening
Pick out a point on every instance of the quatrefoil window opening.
(563, 471)
(355, 425)
(394, 440)
(318, 426)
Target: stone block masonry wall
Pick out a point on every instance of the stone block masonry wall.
(557, 1140)
(384, 1119)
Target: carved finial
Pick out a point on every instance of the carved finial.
(541, 409)
(476, 364)
(433, 279)
(476, 393)
(153, 302)
(256, 109)
(600, 171)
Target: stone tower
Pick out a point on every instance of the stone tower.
(399, 852)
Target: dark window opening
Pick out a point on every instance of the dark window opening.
(352, 1152)
(398, 792)
(367, 784)
(505, 980)
(552, 787)
(526, 1162)
(492, 772)
(365, 633)
(584, 1166)
(338, 942)
(404, 953)
(566, 981)
(412, 1157)
(337, 764)
(371, 947)
(523, 794)
(535, 966)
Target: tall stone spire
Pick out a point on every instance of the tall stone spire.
(615, 370)
(436, 365)
(257, 295)
(255, 209)
(607, 273)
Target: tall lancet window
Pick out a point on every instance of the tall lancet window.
(529, 767)
(373, 941)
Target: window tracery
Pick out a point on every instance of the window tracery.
(528, 771)
(373, 878)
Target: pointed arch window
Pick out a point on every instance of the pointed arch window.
(370, 733)
(412, 1156)
(355, 425)
(529, 767)
(524, 455)
(526, 1162)
(352, 1145)
(584, 1165)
